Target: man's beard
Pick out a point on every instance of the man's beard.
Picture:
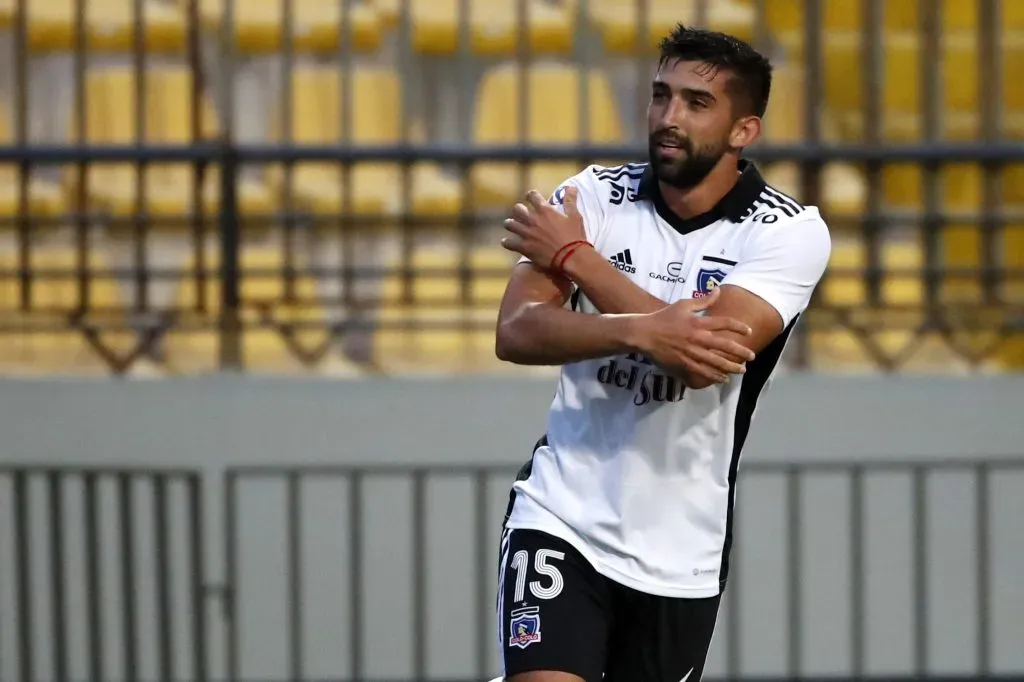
(686, 172)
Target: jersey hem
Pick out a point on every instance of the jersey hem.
(563, 532)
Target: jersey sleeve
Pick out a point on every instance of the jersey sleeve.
(783, 263)
(588, 202)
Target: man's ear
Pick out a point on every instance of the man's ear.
(745, 132)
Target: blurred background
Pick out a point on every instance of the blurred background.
(284, 216)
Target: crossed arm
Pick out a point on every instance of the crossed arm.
(535, 328)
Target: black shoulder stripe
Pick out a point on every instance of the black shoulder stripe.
(784, 198)
(767, 200)
(633, 170)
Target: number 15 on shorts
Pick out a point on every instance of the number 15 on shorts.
(537, 573)
(520, 565)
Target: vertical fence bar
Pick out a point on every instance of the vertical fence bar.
(990, 101)
(230, 303)
(93, 586)
(857, 570)
(919, 571)
(294, 525)
(586, 66)
(231, 573)
(810, 172)
(795, 619)
(162, 559)
(20, 41)
(82, 129)
(230, 351)
(141, 217)
(407, 213)
(524, 94)
(930, 59)
(287, 57)
(467, 219)
(21, 85)
(58, 613)
(196, 133)
(483, 567)
(643, 67)
(198, 578)
(128, 583)
(419, 573)
(355, 576)
(872, 82)
(982, 569)
(23, 580)
(346, 107)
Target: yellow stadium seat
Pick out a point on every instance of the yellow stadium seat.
(902, 96)
(787, 16)
(376, 101)
(838, 347)
(110, 118)
(1011, 354)
(844, 285)
(452, 337)
(553, 118)
(847, 287)
(842, 184)
(1013, 87)
(44, 198)
(902, 106)
(264, 349)
(109, 25)
(901, 86)
(963, 15)
(493, 25)
(436, 278)
(45, 344)
(618, 22)
(318, 25)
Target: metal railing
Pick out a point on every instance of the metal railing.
(328, 545)
(47, 506)
(351, 312)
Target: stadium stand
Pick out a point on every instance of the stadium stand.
(167, 189)
(410, 251)
(555, 110)
(317, 26)
(109, 25)
(318, 116)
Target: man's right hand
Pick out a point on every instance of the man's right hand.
(677, 337)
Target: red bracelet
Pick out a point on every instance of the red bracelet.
(572, 246)
(569, 253)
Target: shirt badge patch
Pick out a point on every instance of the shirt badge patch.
(524, 627)
(708, 280)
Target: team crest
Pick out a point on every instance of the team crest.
(558, 198)
(708, 280)
(524, 628)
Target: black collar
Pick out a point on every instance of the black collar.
(734, 205)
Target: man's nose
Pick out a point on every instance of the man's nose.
(673, 114)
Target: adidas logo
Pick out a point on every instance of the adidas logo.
(623, 261)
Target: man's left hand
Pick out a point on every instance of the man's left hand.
(539, 230)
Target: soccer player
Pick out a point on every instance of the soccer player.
(666, 291)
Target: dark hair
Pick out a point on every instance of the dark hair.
(751, 80)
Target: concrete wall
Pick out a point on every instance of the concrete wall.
(214, 423)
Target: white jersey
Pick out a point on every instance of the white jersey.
(635, 471)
